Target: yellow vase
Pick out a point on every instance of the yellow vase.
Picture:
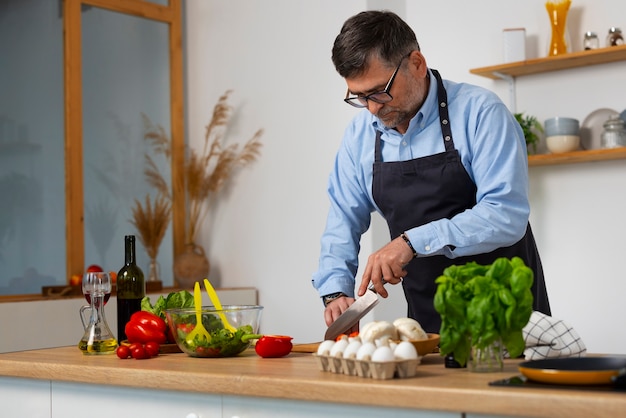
(557, 12)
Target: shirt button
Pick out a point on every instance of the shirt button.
(404, 143)
(427, 247)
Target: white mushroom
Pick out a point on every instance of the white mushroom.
(409, 329)
(377, 330)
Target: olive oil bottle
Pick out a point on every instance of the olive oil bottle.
(131, 287)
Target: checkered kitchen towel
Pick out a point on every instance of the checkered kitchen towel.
(547, 337)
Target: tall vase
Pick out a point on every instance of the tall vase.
(191, 266)
(557, 12)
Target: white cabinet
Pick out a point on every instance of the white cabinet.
(246, 407)
(44, 399)
(24, 398)
(72, 400)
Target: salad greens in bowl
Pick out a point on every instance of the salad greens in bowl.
(230, 330)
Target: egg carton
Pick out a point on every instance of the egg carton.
(381, 370)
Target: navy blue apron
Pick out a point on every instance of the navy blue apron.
(415, 192)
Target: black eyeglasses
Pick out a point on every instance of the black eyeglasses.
(380, 97)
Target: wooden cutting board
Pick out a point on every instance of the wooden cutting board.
(305, 348)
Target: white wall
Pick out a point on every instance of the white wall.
(276, 56)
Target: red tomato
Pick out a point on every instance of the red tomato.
(123, 352)
(270, 346)
(94, 268)
(134, 345)
(152, 348)
(140, 353)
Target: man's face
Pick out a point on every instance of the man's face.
(408, 90)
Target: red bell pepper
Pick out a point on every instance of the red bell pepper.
(270, 346)
(145, 327)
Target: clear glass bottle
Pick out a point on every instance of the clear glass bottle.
(614, 134)
(591, 41)
(614, 38)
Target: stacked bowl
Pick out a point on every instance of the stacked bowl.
(562, 134)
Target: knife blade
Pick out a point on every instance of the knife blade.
(353, 314)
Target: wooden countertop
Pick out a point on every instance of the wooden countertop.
(297, 377)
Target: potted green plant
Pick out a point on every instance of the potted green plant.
(484, 309)
(531, 128)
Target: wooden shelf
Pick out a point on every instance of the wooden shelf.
(578, 157)
(512, 70)
(559, 62)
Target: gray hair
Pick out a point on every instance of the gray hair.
(372, 34)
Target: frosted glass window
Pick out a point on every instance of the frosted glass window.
(125, 76)
(32, 174)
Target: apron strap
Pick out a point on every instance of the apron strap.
(444, 117)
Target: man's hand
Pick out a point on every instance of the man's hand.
(386, 264)
(336, 308)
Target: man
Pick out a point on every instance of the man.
(444, 163)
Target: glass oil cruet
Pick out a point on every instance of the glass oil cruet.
(98, 338)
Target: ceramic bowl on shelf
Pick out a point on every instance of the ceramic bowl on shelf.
(562, 143)
(561, 126)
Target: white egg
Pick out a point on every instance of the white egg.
(405, 351)
(352, 348)
(325, 347)
(339, 347)
(383, 354)
(365, 351)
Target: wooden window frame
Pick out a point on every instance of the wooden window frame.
(73, 115)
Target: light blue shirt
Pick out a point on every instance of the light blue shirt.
(493, 151)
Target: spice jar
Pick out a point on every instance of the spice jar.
(614, 134)
(591, 41)
(614, 37)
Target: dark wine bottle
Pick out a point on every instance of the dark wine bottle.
(131, 287)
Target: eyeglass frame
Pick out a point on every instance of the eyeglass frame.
(363, 101)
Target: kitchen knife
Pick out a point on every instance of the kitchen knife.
(353, 314)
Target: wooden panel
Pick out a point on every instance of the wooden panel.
(74, 216)
(138, 8)
(177, 107)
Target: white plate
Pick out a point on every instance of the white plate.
(592, 128)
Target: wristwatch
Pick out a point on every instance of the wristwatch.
(329, 298)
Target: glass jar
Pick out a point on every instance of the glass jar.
(614, 134)
(614, 37)
(487, 358)
(591, 41)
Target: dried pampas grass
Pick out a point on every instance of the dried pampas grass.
(205, 173)
(151, 222)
